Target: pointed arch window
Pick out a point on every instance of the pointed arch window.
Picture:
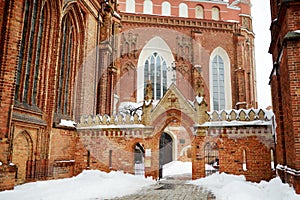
(155, 70)
(218, 83)
(166, 8)
(63, 95)
(29, 54)
(37, 59)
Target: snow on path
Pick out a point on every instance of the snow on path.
(94, 184)
(87, 185)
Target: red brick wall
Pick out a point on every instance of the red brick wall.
(285, 48)
(231, 143)
(238, 48)
(62, 153)
(7, 177)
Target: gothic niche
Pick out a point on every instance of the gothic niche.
(184, 48)
(129, 45)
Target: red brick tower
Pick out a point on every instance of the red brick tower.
(284, 80)
(54, 57)
(194, 35)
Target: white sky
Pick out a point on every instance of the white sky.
(261, 24)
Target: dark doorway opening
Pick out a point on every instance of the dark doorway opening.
(139, 166)
(165, 151)
(211, 152)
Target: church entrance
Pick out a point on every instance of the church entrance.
(165, 151)
(139, 166)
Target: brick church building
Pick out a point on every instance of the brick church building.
(129, 85)
(284, 81)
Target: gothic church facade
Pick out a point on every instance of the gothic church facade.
(129, 85)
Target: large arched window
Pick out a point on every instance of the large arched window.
(148, 7)
(65, 65)
(130, 6)
(218, 83)
(166, 8)
(183, 10)
(215, 12)
(25, 68)
(199, 12)
(162, 57)
(155, 70)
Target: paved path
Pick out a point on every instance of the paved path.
(170, 190)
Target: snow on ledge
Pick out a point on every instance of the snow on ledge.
(288, 170)
(199, 99)
(297, 31)
(236, 123)
(65, 161)
(113, 126)
(68, 123)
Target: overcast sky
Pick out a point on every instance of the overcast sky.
(261, 24)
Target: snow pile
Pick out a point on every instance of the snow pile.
(87, 185)
(233, 187)
(177, 168)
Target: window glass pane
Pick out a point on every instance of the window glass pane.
(215, 13)
(158, 78)
(130, 6)
(166, 9)
(199, 12)
(148, 7)
(218, 83)
(155, 70)
(183, 10)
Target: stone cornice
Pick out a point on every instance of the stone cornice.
(177, 21)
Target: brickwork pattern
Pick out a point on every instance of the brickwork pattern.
(285, 48)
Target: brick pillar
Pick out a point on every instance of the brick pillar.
(103, 98)
(198, 157)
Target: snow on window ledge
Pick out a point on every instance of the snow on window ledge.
(67, 123)
(297, 31)
(244, 166)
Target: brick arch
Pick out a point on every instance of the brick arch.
(22, 155)
(164, 119)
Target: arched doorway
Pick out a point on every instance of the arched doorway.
(139, 166)
(22, 153)
(165, 151)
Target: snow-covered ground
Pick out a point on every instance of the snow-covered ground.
(177, 168)
(233, 187)
(94, 184)
(89, 184)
